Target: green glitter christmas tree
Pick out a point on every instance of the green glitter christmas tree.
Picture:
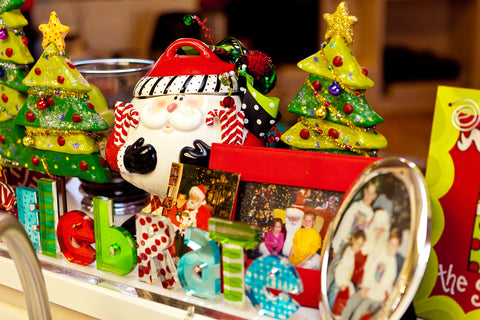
(60, 121)
(14, 60)
(334, 114)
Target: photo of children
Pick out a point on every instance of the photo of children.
(365, 256)
(273, 240)
(195, 194)
(306, 244)
(269, 206)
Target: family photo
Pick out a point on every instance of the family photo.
(292, 221)
(368, 249)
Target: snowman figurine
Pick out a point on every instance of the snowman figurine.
(181, 106)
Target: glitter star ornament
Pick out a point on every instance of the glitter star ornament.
(340, 23)
(54, 32)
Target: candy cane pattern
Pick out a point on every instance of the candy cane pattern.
(8, 198)
(231, 123)
(126, 116)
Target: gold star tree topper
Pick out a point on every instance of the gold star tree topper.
(340, 23)
(54, 32)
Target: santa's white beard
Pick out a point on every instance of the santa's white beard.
(291, 228)
(169, 133)
(193, 205)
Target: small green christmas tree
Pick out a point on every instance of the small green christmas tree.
(334, 113)
(14, 60)
(60, 121)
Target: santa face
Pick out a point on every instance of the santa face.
(194, 202)
(167, 124)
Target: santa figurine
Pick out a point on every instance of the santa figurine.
(193, 96)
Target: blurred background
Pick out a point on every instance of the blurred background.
(409, 46)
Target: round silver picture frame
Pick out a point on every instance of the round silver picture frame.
(376, 249)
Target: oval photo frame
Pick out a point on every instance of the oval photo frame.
(376, 250)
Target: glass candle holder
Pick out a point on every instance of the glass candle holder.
(116, 79)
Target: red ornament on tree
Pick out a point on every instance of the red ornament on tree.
(91, 106)
(365, 71)
(25, 41)
(61, 141)
(337, 61)
(2, 138)
(4, 98)
(9, 52)
(76, 118)
(60, 79)
(304, 134)
(83, 166)
(348, 108)
(38, 71)
(42, 103)
(30, 116)
(50, 101)
(317, 85)
(333, 133)
(35, 161)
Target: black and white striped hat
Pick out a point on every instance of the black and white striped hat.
(174, 73)
(201, 84)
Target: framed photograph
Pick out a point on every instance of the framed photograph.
(377, 248)
(194, 195)
(279, 183)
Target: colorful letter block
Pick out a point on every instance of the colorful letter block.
(273, 272)
(199, 270)
(76, 235)
(116, 248)
(154, 235)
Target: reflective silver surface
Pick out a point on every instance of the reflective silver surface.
(23, 254)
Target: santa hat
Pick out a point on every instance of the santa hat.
(294, 213)
(173, 73)
(198, 191)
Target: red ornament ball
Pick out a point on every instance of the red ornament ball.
(38, 71)
(42, 103)
(333, 133)
(365, 71)
(337, 61)
(103, 161)
(348, 108)
(61, 141)
(76, 118)
(30, 116)
(50, 101)
(2, 138)
(317, 85)
(25, 41)
(60, 79)
(4, 98)
(35, 161)
(9, 52)
(228, 102)
(83, 165)
(259, 64)
(70, 65)
(91, 106)
(304, 134)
